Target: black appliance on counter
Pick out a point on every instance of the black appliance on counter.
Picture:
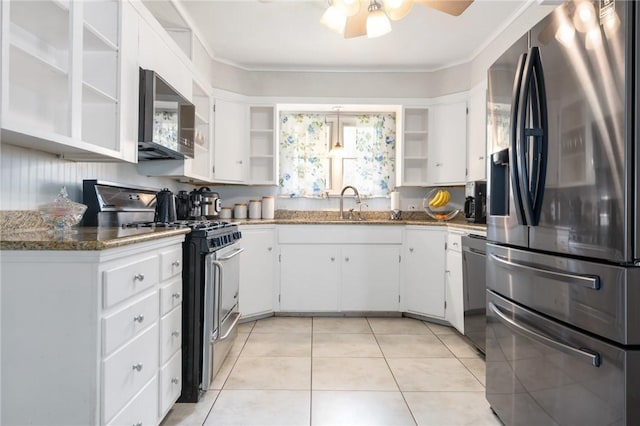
(210, 275)
(563, 229)
(475, 204)
(166, 121)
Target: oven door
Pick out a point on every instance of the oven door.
(542, 372)
(222, 282)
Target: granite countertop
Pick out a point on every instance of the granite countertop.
(292, 217)
(24, 230)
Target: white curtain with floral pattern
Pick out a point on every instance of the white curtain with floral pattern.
(368, 157)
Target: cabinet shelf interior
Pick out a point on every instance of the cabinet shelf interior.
(93, 40)
(101, 20)
(46, 21)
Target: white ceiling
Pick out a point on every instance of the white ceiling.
(287, 35)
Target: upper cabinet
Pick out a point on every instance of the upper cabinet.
(447, 144)
(262, 146)
(230, 141)
(70, 77)
(477, 134)
(415, 142)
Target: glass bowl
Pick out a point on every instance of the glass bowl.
(437, 205)
(62, 213)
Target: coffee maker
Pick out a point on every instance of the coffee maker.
(475, 204)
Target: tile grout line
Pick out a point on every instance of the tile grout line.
(375, 336)
(458, 358)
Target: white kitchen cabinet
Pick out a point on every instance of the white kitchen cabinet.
(89, 351)
(370, 278)
(257, 270)
(447, 144)
(477, 133)
(326, 268)
(424, 271)
(454, 312)
(309, 278)
(230, 141)
(262, 145)
(70, 78)
(415, 140)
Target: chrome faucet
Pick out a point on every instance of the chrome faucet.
(342, 199)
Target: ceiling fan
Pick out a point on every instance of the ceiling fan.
(355, 18)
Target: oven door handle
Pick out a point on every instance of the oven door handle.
(235, 253)
(592, 358)
(233, 325)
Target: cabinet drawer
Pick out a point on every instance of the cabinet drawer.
(122, 326)
(454, 242)
(124, 281)
(170, 263)
(171, 295)
(170, 382)
(127, 370)
(170, 334)
(142, 409)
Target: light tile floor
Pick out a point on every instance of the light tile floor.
(344, 371)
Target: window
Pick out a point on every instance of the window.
(310, 166)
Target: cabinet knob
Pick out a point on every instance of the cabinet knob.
(138, 277)
(455, 244)
(410, 249)
(239, 161)
(176, 263)
(176, 295)
(175, 381)
(438, 164)
(138, 318)
(480, 158)
(346, 259)
(137, 367)
(333, 259)
(176, 333)
(270, 248)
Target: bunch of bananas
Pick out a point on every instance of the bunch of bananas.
(441, 198)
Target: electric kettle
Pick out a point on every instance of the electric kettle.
(165, 207)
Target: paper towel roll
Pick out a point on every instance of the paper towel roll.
(395, 200)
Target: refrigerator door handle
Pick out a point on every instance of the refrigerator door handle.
(541, 134)
(516, 106)
(530, 95)
(590, 281)
(587, 355)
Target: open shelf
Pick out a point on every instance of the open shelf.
(93, 95)
(101, 20)
(93, 40)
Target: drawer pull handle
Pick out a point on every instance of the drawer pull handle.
(137, 367)
(138, 318)
(175, 381)
(175, 333)
(138, 277)
(176, 295)
(176, 263)
(455, 244)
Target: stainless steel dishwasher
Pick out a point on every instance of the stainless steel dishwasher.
(474, 288)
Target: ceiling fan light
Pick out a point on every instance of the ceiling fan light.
(378, 23)
(334, 19)
(347, 7)
(397, 9)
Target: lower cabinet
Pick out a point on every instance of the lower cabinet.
(339, 268)
(257, 270)
(454, 292)
(96, 338)
(424, 271)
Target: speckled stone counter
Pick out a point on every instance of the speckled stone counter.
(24, 230)
(297, 217)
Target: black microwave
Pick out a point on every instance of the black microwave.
(166, 126)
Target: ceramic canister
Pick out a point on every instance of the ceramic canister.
(255, 209)
(240, 211)
(268, 206)
(225, 213)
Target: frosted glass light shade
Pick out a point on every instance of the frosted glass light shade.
(378, 24)
(334, 19)
(397, 9)
(347, 7)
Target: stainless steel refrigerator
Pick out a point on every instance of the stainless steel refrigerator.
(563, 252)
